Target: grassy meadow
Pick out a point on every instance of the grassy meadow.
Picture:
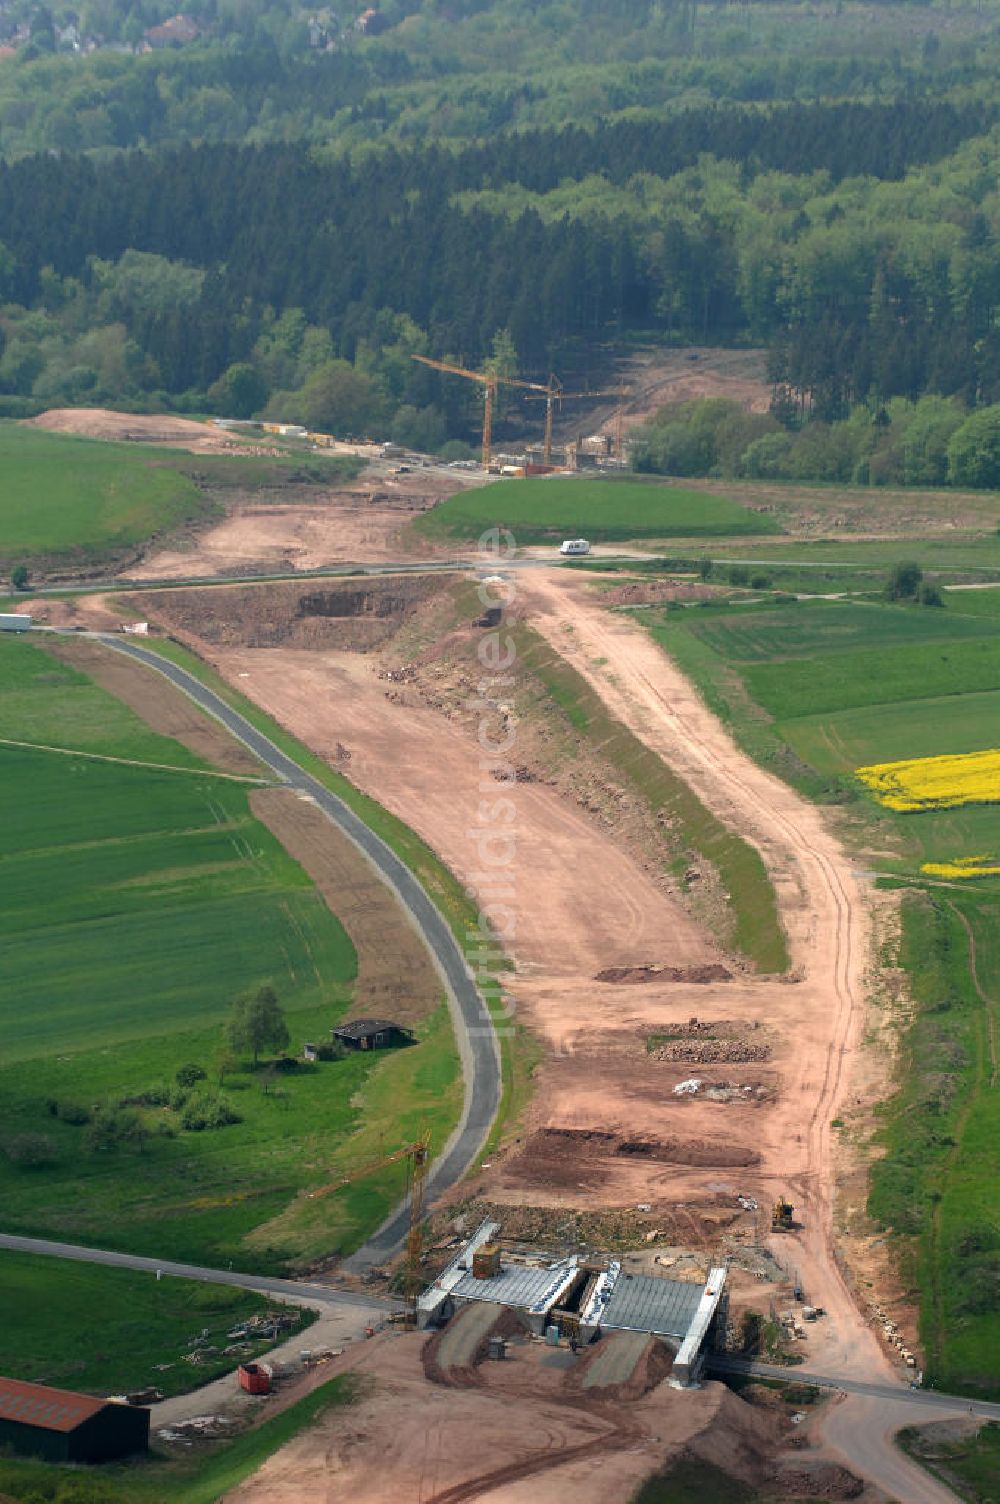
(112, 1330)
(135, 904)
(815, 689)
(71, 498)
(68, 495)
(602, 508)
(50, 703)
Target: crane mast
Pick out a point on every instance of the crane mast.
(491, 384)
(418, 1155)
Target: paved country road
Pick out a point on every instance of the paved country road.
(474, 1030)
(929, 1399)
(291, 1289)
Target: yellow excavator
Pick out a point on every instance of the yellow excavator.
(781, 1215)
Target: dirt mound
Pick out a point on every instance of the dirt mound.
(356, 616)
(102, 423)
(799, 1479)
(711, 972)
(559, 1156)
(654, 1364)
(712, 1052)
(453, 1355)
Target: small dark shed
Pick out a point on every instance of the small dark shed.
(371, 1034)
(64, 1427)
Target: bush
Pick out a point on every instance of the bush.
(110, 1128)
(738, 575)
(153, 1096)
(904, 582)
(331, 1049)
(29, 1151)
(977, 1287)
(930, 595)
(760, 582)
(769, 457)
(205, 1112)
(189, 1075)
(73, 1112)
(974, 450)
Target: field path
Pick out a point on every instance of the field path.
(825, 914)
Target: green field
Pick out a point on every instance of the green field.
(106, 869)
(815, 690)
(829, 682)
(108, 1330)
(135, 905)
(936, 1183)
(953, 552)
(51, 703)
(605, 509)
(67, 495)
(83, 499)
(975, 603)
(811, 629)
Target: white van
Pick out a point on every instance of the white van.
(575, 546)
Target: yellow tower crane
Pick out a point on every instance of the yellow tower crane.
(490, 384)
(555, 394)
(418, 1155)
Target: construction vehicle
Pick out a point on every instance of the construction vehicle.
(491, 384)
(418, 1156)
(781, 1215)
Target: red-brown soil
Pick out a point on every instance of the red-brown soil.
(518, 1435)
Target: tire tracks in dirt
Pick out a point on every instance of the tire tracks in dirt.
(827, 922)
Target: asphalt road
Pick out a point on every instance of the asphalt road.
(290, 1288)
(474, 1030)
(928, 1399)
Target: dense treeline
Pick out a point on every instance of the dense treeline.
(846, 139)
(931, 442)
(859, 286)
(275, 70)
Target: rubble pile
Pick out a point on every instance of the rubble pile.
(712, 1051)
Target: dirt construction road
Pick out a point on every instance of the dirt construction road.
(825, 913)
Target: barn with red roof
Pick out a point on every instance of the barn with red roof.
(65, 1427)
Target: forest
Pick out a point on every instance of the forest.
(708, 192)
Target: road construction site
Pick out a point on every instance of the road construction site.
(376, 679)
(677, 1088)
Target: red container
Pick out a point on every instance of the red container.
(254, 1379)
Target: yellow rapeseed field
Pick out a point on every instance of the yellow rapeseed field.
(963, 866)
(935, 782)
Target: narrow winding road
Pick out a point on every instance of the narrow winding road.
(474, 1031)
